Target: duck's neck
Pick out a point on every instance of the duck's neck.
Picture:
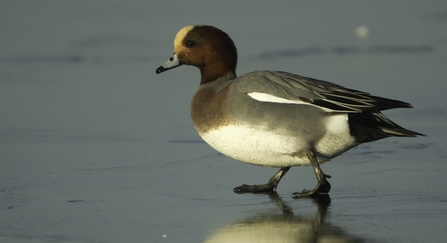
(208, 75)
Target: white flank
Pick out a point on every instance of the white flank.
(338, 124)
(256, 146)
(270, 149)
(337, 138)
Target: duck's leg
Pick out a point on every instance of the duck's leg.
(322, 186)
(270, 186)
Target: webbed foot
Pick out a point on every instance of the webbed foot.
(254, 188)
(322, 187)
(268, 187)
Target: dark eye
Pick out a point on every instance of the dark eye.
(190, 43)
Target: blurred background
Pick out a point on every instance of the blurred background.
(95, 147)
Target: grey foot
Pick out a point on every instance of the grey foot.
(323, 187)
(269, 187)
(254, 188)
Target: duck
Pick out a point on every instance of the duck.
(275, 118)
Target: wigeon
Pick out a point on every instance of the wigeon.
(273, 118)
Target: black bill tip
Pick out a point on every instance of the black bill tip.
(160, 70)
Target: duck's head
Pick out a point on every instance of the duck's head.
(207, 48)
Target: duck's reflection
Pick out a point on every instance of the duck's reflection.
(285, 227)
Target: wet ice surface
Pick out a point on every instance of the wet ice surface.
(94, 147)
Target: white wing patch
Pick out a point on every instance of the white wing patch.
(274, 99)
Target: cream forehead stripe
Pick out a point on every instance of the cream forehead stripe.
(181, 35)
